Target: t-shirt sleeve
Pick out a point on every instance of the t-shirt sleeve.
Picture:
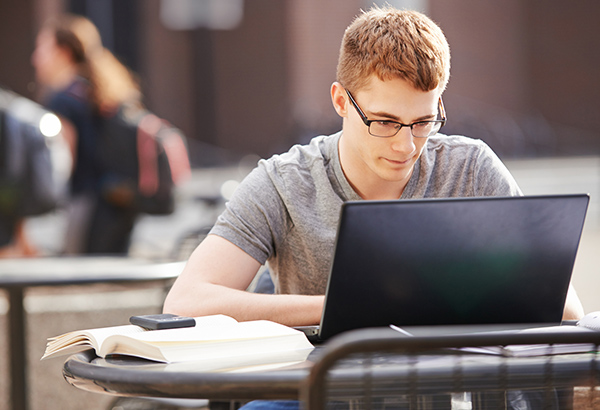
(457, 166)
(492, 176)
(254, 217)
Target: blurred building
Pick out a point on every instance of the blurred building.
(253, 76)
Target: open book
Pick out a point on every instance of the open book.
(216, 342)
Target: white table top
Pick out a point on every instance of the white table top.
(57, 271)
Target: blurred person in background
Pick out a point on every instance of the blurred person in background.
(34, 169)
(17, 245)
(82, 81)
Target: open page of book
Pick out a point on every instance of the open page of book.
(73, 342)
(210, 344)
(216, 342)
(80, 340)
(243, 364)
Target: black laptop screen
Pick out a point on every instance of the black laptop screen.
(453, 262)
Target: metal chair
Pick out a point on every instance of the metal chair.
(381, 369)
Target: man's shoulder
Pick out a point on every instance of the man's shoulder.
(453, 146)
(454, 141)
(303, 170)
(318, 152)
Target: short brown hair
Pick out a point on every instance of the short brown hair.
(393, 43)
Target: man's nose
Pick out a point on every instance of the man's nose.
(403, 141)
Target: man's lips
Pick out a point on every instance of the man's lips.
(397, 162)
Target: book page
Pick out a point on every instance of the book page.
(73, 342)
(217, 345)
(78, 341)
(241, 363)
(256, 329)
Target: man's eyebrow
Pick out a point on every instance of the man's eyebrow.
(392, 117)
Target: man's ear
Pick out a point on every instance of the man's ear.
(339, 98)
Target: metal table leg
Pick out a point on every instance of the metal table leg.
(18, 348)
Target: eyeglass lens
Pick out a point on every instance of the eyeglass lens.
(419, 129)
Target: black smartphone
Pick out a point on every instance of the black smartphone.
(162, 321)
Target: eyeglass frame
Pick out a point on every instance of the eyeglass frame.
(368, 122)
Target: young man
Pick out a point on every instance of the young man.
(392, 70)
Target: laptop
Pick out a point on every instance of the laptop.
(446, 262)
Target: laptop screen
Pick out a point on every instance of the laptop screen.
(460, 261)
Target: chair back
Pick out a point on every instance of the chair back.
(379, 368)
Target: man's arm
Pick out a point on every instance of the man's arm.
(573, 307)
(214, 282)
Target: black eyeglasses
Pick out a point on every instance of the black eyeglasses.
(386, 128)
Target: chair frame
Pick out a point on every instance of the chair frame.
(380, 340)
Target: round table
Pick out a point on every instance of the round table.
(18, 274)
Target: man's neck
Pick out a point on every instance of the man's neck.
(377, 189)
(367, 184)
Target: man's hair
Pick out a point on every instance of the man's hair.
(391, 43)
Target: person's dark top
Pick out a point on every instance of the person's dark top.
(73, 103)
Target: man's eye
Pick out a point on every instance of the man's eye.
(422, 125)
(386, 124)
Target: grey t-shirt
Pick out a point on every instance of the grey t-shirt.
(286, 210)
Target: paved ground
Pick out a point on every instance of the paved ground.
(56, 310)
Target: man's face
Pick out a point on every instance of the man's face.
(379, 168)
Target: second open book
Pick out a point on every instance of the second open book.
(218, 341)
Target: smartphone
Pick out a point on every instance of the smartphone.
(162, 321)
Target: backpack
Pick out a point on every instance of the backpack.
(143, 159)
(29, 184)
